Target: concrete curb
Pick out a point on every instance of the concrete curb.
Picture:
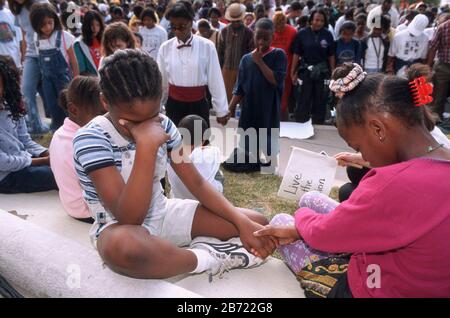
(39, 263)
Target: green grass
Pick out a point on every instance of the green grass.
(44, 140)
(247, 190)
(259, 192)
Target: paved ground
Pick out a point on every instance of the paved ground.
(326, 139)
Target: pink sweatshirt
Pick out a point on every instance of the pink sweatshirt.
(61, 162)
(398, 221)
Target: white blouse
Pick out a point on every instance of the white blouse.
(197, 65)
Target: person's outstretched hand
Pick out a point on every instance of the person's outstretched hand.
(262, 246)
(355, 160)
(284, 234)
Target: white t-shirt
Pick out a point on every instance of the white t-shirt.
(207, 161)
(10, 36)
(338, 25)
(67, 41)
(164, 23)
(401, 27)
(408, 47)
(152, 39)
(393, 13)
(429, 32)
(330, 28)
(305, 11)
(221, 26)
(372, 60)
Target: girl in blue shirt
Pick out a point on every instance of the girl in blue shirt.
(24, 164)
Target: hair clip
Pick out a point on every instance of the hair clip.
(421, 91)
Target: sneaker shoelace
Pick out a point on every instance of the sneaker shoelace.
(227, 263)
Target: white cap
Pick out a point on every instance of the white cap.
(103, 7)
(418, 24)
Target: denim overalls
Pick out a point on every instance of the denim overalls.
(56, 75)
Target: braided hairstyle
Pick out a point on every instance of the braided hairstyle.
(380, 93)
(12, 96)
(130, 74)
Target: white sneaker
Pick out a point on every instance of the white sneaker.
(230, 254)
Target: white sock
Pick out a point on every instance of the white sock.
(204, 260)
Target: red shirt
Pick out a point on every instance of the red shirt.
(95, 50)
(396, 223)
(223, 20)
(283, 40)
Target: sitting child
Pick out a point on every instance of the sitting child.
(120, 159)
(394, 227)
(81, 100)
(24, 164)
(357, 167)
(205, 158)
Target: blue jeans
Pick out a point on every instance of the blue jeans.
(30, 81)
(28, 180)
(56, 76)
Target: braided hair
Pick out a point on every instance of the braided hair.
(130, 74)
(381, 93)
(12, 96)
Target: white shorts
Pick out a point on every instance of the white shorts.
(175, 225)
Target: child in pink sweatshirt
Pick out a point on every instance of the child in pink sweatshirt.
(391, 238)
(81, 100)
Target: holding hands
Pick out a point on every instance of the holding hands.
(223, 120)
(275, 235)
(260, 246)
(42, 160)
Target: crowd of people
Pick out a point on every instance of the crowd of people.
(121, 79)
(315, 37)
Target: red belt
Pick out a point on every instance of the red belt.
(187, 94)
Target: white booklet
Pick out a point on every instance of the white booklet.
(307, 171)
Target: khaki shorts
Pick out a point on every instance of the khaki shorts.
(175, 226)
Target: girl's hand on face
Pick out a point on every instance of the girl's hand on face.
(149, 133)
(257, 56)
(285, 234)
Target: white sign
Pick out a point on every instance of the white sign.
(307, 171)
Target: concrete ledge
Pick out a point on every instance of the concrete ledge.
(40, 263)
(42, 246)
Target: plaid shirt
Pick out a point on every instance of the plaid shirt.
(441, 42)
(233, 45)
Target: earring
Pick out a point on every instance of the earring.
(381, 139)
